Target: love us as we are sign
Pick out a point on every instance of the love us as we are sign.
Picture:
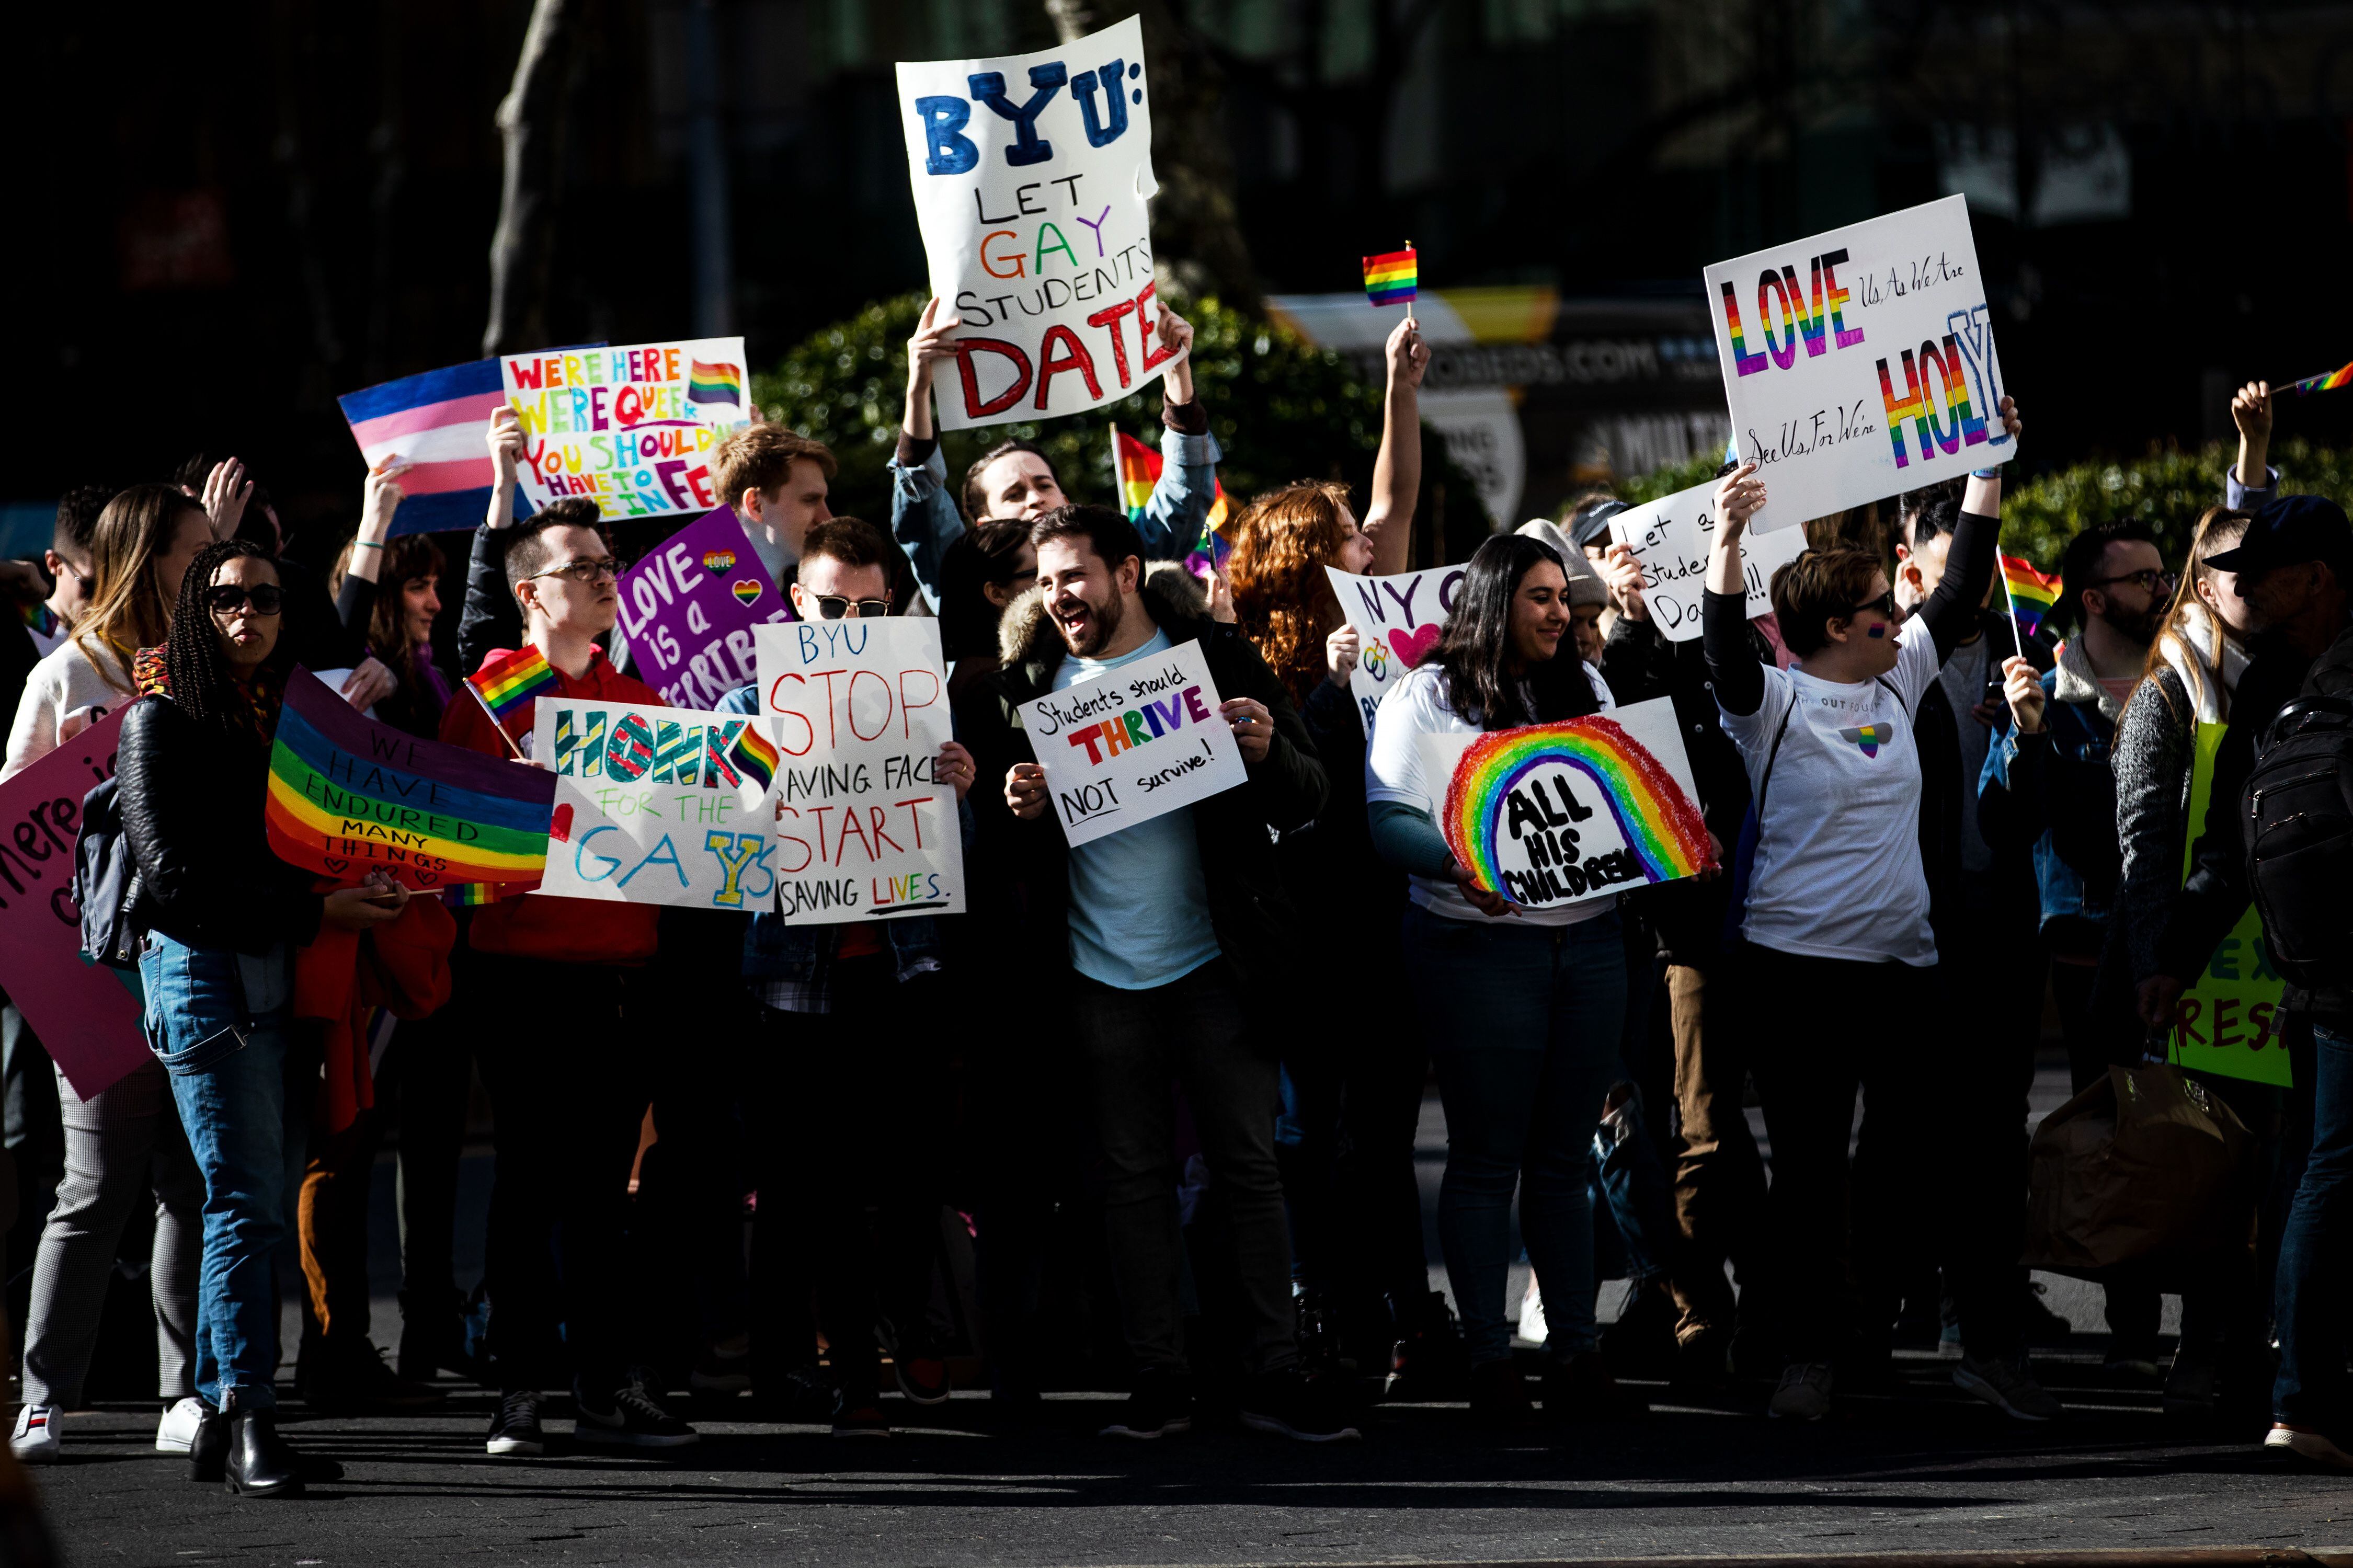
(1397, 619)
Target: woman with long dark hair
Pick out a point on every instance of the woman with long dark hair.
(223, 916)
(389, 595)
(1521, 1006)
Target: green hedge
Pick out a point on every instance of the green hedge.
(1282, 409)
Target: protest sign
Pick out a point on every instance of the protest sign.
(1030, 173)
(86, 1013)
(1101, 743)
(348, 797)
(1398, 620)
(1860, 364)
(658, 805)
(629, 428)
(1671, 536)
(1553, 815)
(2231, 1021)
(688, 609)
(864, 829)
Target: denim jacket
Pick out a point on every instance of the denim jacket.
(775, 951)
(2057, 791)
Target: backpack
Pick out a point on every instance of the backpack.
(106, 884)
(2297, 816)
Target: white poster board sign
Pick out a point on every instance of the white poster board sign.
(630, 428)
(1671, 537)
(1860, 364)
(1030, 175)
(1554, 815)
(864, 829)
(1398, 620)
(657, 805)
(1134, 744)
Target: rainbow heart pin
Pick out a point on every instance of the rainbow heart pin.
(719, 562)
(746, 590)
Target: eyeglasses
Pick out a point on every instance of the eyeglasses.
(228, 599)
(582, 571)
(833, 606)
(2151, 580)
(1885, 605)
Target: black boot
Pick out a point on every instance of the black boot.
(259, 1462)
(208, 1455)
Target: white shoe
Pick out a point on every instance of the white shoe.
(1805, 1391)
(176, 1433)
(34, 1440)
(2312, 1448)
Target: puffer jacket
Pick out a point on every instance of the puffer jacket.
(1247, 907)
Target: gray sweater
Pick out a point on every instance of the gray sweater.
(2152, 762)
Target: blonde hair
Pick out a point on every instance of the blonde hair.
(2217, 531)
(127, 608)
(1287, 608)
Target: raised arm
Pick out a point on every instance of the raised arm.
(2252, 480)
(1951, 611)
(1397, 472)
(1723, 608)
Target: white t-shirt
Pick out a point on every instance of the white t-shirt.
(64, 683)
(1838, 873)
(1417, 706)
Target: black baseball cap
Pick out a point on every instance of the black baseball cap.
(1591, 525)
(2290, 532)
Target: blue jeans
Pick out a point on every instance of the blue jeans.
(227, 1061)
(2309, 1300)
(1634, 1227)
(1523, 1023)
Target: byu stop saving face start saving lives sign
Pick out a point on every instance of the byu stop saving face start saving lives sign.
(1860, 364)
(1133, 744)
(1030, 173)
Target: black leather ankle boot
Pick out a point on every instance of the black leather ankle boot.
(260, 1463)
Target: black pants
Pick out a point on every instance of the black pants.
(571, 1069)
(426, 1081)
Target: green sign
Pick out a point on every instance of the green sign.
(2229, 1020)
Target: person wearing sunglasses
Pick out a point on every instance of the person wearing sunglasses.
(1837, 919)
(544, 980)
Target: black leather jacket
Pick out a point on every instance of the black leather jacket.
(191, 805)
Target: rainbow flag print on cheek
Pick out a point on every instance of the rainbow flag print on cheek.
(1500, 795)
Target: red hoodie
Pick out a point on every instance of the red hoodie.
(566, 931)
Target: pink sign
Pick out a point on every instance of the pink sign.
(87, 1015)
(688, 609)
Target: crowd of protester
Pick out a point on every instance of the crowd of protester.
(1923, 818)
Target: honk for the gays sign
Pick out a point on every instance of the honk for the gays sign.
(658, 805)
(1860, 364)
(631, 428)
(1398, 620)
(864, 829)
(1671, 539)
(1553, 815)
(1133, 744)
(1030, 175)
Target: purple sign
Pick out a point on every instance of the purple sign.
(688, 609)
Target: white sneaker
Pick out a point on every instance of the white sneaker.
(2312, 1448)
(34, 1440)
(1805, 1391)
(176, 1433)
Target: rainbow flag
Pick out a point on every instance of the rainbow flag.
(2031, 594)
(1136, 470)
(348, 797)
(1389, 280)
(721, 383)
(2341, 376)
(508, 683)
(472, 896)
(755, 754)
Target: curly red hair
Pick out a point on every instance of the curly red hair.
(1282, 545)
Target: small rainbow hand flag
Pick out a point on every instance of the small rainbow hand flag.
(2341, 376)
(721, 383)
(2031, 594)
(755, 754)
(508, 683)
(1389, 280)
(1136, 470)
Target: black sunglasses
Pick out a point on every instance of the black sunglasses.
(833, 606)
(1885, 605)
(228, 599)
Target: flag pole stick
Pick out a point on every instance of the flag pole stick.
(2015, 634)
(495, 723)
(1417, 287)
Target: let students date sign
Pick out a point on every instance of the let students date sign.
(1133, 743)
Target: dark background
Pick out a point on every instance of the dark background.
(227, 214)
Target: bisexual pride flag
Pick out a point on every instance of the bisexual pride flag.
(1389, 280)
(1136, 470)
(435, 422)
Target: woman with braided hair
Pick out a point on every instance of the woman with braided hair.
(223, 916)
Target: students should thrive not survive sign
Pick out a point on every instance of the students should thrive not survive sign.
(1859, 363)
(864, 828)
(1397, 621)
(1134, 744)
(632, 428)
(688, 609)
(658, 805)
(1030, 173)
(1553, 815)
(1672, 537)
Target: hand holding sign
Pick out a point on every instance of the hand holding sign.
(1134, 743)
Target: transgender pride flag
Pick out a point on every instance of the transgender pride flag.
(434, 422)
